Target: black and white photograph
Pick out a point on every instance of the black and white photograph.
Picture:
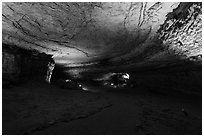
(101, 68)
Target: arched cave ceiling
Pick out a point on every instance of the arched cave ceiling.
(82, 32)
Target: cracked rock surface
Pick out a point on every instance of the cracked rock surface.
(182, 31)
(84, 30)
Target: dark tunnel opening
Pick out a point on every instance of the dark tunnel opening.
(102, 68)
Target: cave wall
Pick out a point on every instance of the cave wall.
(182, 30)
(19, 65)
(185, 78)
(179, 37)
(10, 66)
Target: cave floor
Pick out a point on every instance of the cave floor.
(40, 108)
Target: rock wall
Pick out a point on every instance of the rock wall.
(185, 78)
(10, 66)
(19, 65)
(182, 30)
(8, 63)
(178, 37)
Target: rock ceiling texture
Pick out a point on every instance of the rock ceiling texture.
(94, 31)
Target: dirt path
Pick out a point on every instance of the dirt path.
(140, 113)
(36, 106)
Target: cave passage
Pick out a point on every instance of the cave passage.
(102, 68)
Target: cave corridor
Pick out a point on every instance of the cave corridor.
(101, 68)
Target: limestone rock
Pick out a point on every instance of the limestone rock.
(85, 30)
(182, 31)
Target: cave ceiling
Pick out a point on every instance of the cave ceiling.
(83, 31)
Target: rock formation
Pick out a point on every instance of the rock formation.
(182, 31)
(82, 33)
(19, 65)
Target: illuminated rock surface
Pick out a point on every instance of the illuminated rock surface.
(182, 31)
(82, 32)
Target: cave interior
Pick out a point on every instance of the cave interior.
(58, 59)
